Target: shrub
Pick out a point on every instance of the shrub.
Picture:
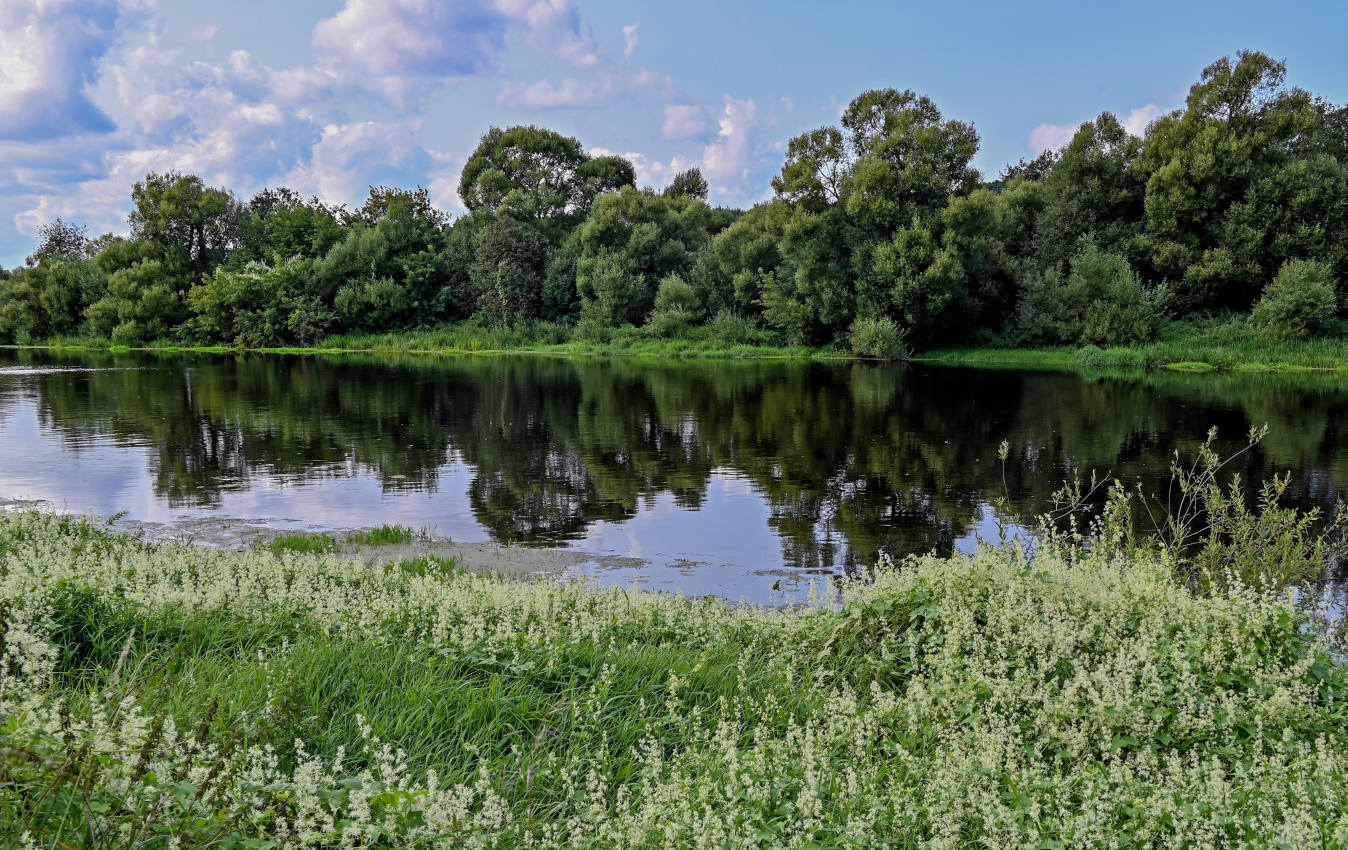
(373, 304)
(736, 329)
(668, 323)
(677, 294)
(141, 304)
(879, 338)
(1100, 301)
(1298, 303)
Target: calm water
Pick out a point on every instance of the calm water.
(722, 477)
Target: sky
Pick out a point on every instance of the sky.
(330, 97)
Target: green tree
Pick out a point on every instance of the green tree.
(187, 226)
(631, 240)
(538, 175)
(1239, 125)
(278, 222)
(1093, 190)
(141, 305)
(688, 184)
(507, 271)
(259, 305)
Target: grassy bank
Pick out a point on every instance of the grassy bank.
(1198, 347)
(164, 696)
(739, 341)
(1229, 345)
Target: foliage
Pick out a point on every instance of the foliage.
(1299, 302)
(880, 339)
(1071, 697)
(509, 263)
(688, 184)
(384, 535)
(141, 304)
(537, 175)
(1099, 301)
(632, 240)
(258, 306)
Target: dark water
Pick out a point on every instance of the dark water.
(724, 477)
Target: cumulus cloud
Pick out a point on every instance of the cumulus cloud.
(553, 26)
(725, 160)
(651, 172)
(631, 36)
(1051, 136)
(1139, 119)
(349, 158)
(685, 122)
(443, 181)
(733, 162)
(48, 54)
(399, 47)
(572, 92)
(397, 44)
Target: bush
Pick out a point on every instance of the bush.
(374, 304)
(668, 323)
(1100, 301)
(677, 294)
(1300, 301)
(141, 304)
(879, 338)
(736, 329)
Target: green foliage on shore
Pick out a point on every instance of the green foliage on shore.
(1100, 689)
(1218, 210)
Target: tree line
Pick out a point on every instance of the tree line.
(879, 236)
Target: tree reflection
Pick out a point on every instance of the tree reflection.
(851, 459)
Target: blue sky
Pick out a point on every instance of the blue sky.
(331, 96)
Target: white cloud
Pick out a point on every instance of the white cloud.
(443, 181)
(631, 36)
(725, 161)
(394, 46)
(347, 156)
(732, 163)
(553, 26)
(543, 94)
(401, 47)
(685, 122)
(48, 54)
(1137, 120)
(572, 92)
(1051, 136)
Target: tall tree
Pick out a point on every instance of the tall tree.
(535, 174)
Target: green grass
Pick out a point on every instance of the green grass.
(1228, 345)
(316, 544)
(1205, 345)
(226, 699)
(384, 535)
(736, 342)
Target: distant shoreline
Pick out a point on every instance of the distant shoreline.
(1184, 348)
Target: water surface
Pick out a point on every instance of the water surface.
(720, 477)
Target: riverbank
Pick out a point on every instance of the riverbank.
(702, 342)
(306, 699)
(1185, 347)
